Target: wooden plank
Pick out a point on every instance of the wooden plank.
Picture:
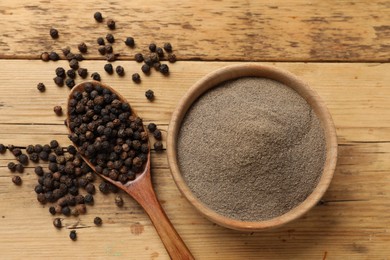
(295, 30)
(356, 94)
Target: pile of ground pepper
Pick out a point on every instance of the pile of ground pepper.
(251, 149)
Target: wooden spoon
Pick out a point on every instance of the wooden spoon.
(142, 191)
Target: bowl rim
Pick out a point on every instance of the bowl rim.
(265, 71)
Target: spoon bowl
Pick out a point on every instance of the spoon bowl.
(140, 188)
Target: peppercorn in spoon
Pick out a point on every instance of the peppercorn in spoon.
(112, 140)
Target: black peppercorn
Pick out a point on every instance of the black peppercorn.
(149, 94)
(120, 70)
(30, 149)
(71, 149)
(104, 187)
(58, 81)
(73, 235)
(38, 148)
(65, 211)
(38, 170)
(167, 47)
(23, 159)
(157, 134)
(88, 199)
(98, 17)
(19, 167)
(164, 69)
(152, 127)
(152, 47)
(148, 60)
(158, 146)
(16, 151)
(172, 58)
(110, 38)
(145, 68)
(45, 56)
(2, 148)
(160, 52)
(74, 64)
(136, 78)
(57, 223)
(82, 72)
(90, 188)
(119, 201)
(34, 157)
(102, 50)
(54, 56)
(17, 180)
(100, 41)
(112, 57)
(129, 41)
(52, 210)
(60, 72)
(71, 73)
(70, 83)
(108, 68)
(82, 47)
(139, 57)
(58, 110)
(54, 33)
(41, 87)
(109, 48)
(97, 221)
(95, 76)
(70, 56)
(111, 24)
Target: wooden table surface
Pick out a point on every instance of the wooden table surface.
(341, 48)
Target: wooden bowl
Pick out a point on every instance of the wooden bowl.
(253, 70)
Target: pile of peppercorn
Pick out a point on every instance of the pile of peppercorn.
(107, 133)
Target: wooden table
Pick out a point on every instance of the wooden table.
(341, 48)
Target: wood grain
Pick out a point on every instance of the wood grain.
(351, 221)
(295, 30)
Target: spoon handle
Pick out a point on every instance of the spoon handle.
(144, 194)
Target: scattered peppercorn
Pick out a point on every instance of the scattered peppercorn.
(158, 146)
(23, 159)
(120, 70)
(74, 64)
(152, 47)
(41, 87)
(119, 201)
(2, 148)
(110, 38)
(54, 56)
(54, 33)
(82, 47)
(95, 76)
(58, 81)
(111, 24)
(70, 83)
(171, 58)
(38, 170)
(112, 57)
(45, 56)
(167, 47)
(97, 221)
(108, 68)
(100, 41)
(60, 72)
(98, 17)
(160, 52)
(90, 188)
(52, 210)
(130, 41)
(65, 51)
(16, 151)
(17, 180)
(164, 69)
(109, 48)
(152, 127)
(145, 69)
(19, 167)
(157, 134)
(57, 223)
(73, 235)
(83, 73)
(102, 50)
(58, 110)
(139, 57)
(136, 78)
(149, 94)
(88, 199)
